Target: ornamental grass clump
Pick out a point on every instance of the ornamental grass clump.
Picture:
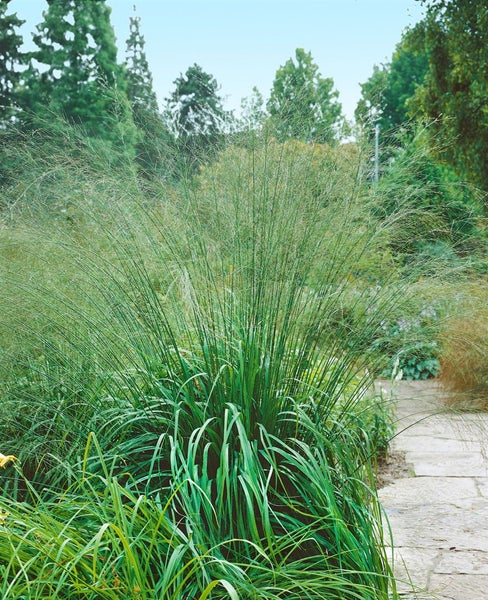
(263, 533)
(193, 341)
(464, 342)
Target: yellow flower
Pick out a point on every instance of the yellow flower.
(5, 460)
(3, 516)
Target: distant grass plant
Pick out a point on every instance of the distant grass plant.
(464, 342)
(438, 216)
(194, 340)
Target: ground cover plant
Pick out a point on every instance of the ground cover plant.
(187, 379)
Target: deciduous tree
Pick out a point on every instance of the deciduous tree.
(455, 92)
(386, 97)
(253, 113)
(303, 104)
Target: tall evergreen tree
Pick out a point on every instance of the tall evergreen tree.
(139, 79)
(195, 105)
(11, 58)
(78, 74)
(196, 114)
(153, 136)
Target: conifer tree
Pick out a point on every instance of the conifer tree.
(78, 75)
(196, 114)
(196, 105)
(139, 79)
(11, 58)
(151, 149)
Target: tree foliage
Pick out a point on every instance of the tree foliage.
(195, 106)
(74, 70)
(11, 58)
(140, 89)
(253, 112)
(386, 95)
(195, 113)
(303, 104)
(455, 91)
(152, 132)
(435, 213)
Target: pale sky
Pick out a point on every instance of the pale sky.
(242, 43)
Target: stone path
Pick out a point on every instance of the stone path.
(439, 515)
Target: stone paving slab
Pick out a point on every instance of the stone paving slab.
(463, 562)
(413, 567)
(422, 491)
(452, 464)
(416, 443)
(459, 587)
(439, 517)
(443, 426)
(439, 526)
(482, 484)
